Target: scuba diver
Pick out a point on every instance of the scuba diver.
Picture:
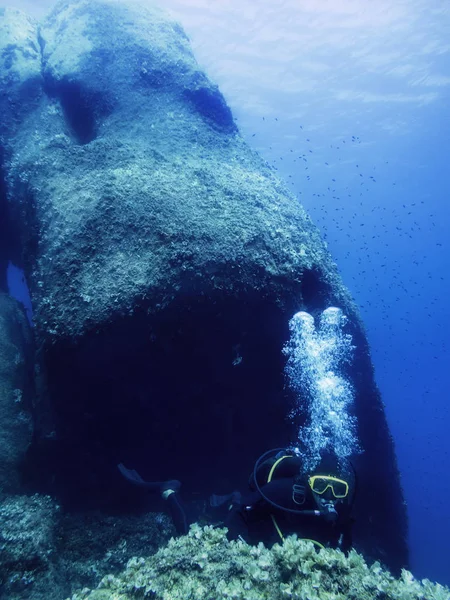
(282, 500)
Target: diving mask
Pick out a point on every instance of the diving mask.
(321, 483)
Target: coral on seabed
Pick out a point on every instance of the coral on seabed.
(205, 565)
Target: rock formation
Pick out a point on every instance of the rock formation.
(165, 259)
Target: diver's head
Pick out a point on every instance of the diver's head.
(328, 492)
(329, 487)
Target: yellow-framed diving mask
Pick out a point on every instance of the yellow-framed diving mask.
(321, 483)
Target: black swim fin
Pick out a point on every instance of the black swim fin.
(154, 486)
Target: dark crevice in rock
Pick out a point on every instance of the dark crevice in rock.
(83, 108)
(77, 110)
(41, 43)
(209, 102)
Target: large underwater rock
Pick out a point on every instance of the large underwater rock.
(16, 387)
(165, 259)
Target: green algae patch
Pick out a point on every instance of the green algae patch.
(205, 565)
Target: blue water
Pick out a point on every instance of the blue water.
(350, 100)
(366, 90)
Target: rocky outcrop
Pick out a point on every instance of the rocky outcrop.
(165, 259)
(16, 377)
(28, 558)
(46, 553)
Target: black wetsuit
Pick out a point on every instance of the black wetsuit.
(255, 519)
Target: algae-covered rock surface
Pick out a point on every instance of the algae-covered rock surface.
(205, 565)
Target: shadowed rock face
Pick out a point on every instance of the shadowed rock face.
(165, 259)
(16, 372)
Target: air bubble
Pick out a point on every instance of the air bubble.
(314, 370)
